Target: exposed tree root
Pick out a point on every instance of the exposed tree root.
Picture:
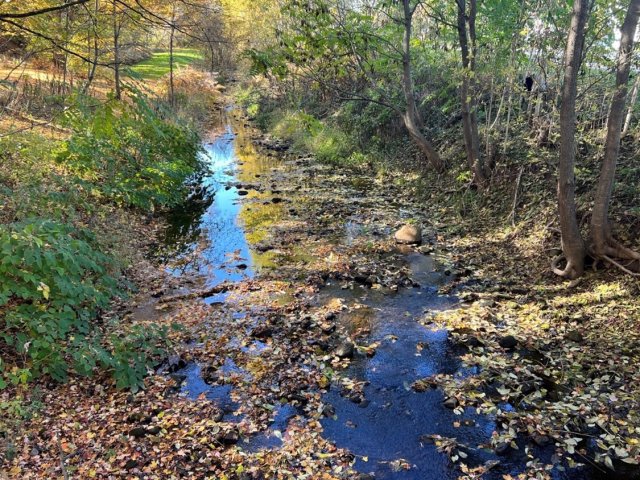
(569, 270)
(620, 266)
(613, 252)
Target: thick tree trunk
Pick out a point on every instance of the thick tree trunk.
(572, 243)
(603, 243)
(632, 104)
(411, 116)
(467, 93)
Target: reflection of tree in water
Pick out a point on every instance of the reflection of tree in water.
(206, 235)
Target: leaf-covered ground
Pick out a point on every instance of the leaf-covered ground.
(556, 367)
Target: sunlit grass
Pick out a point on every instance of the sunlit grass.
(157, 65)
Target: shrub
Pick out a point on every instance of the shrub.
(52, 284)
(328, 143)
(131, 154)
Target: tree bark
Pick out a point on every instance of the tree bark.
(172, 98)
(96, 52)
(632, 104)
(573, 246)
(116, 51)
(411, 116)
(602, 242)
(466, 35)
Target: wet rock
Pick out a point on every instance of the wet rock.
(242, 193)
(262, 332)
(508, 342)
(364, 403)
(345, 350)
(210, 375)
(178, 378)
(276, 200)
(365, 476)
(540, 440)
(329, 411)
(321, 344)
(175, 363)
(328, 328)
(155, 430)
(574, 336)
(242, 266)
(502, 449)
(230, 438)
(451, 402)
(409, 235)
(473, 342)
(426, 439)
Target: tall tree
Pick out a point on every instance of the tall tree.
(604, 245)
(573, 247)
(468, 49)
(411, 116)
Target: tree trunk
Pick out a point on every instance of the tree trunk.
(172, 98)
(116, 51)
(96, 52)
(632, 104)
(411, 116)
(603, 243)
(572, 243)
(467, 93)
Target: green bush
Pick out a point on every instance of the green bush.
(53, 284)
(130, 154)
(328, 143)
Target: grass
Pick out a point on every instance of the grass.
(157, 65)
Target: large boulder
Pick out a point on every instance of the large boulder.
(409, 235)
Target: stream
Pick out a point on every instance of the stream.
(389, 429)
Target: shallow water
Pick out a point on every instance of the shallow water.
(210, 237)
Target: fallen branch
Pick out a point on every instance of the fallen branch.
(207, 292)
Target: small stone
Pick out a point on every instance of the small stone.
(502, 448)
(451, 402)
(262, 331)
(242, 266)
(329, 411)
(574, 336)
(540, 440)
(178, 378)
(328, 328)
(176, 363)
(155, 430)
(131, 463)
(242, 193)
(509, 342)
(409, 235)
(230, 438)
(345, 350)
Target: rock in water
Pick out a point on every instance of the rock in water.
(345, 350)
(409, 235)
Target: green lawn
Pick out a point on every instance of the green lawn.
(157, 65)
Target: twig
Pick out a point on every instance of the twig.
(63, 458)
(222, 288)
(512, 215)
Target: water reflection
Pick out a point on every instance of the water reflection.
(211, 232)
